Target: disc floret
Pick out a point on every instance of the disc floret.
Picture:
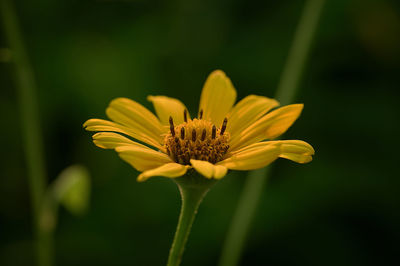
(196, 139)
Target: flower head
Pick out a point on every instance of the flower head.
(223, 135)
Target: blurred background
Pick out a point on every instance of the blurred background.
(341, 209)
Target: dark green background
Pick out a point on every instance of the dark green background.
(341, 209)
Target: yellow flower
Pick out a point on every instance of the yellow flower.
(223, 136)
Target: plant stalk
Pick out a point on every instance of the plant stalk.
(31, 134)
(192, 190)
(298, 53)
(289, 82)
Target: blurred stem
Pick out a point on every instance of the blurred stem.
(32, 141)
(286, 92)
(243, 217)
(299, 51)
(192, 189)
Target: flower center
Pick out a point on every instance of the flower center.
(196, 139)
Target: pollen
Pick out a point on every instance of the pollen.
(196, 139)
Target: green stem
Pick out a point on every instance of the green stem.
(298, 53)
(243, 216)
(286, 92)
(32, 141)
(192, 188)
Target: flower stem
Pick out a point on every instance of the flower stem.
(192, 188)
(286, 92)
(32, 141)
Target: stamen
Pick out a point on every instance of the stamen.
(226, 148)
(187, 158)
(194, 135)
(201, 114)
(203, 134)
(182, 133)
(171, 126)
(224, 126)
(214, 132)
(185, 115)
(196, 139)
(173, 155)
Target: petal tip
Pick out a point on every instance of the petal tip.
(299, 105)
(141, 178)
(88, 123)
(209, 170)
(84, 125)
(116, 100)
(312, 150)
(218, 72)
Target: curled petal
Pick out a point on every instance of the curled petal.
(295, 150)
(108, 126)
(261, 154)
(142, 159)
(208, 169)
(251, 158)
(111, 140)
(171, 170)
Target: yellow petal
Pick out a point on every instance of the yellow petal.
(133, 115)
(248, 111)
(295, 150)
(217, 97)
(142, 159)
(108, 126)
(166, 107)
(270, 126)
(111, 140)
(208, 169)
(261, 154)
(251, 158)
(167, 170)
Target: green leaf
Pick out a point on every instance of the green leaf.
(72, 189)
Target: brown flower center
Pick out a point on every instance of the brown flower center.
(196, 139)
